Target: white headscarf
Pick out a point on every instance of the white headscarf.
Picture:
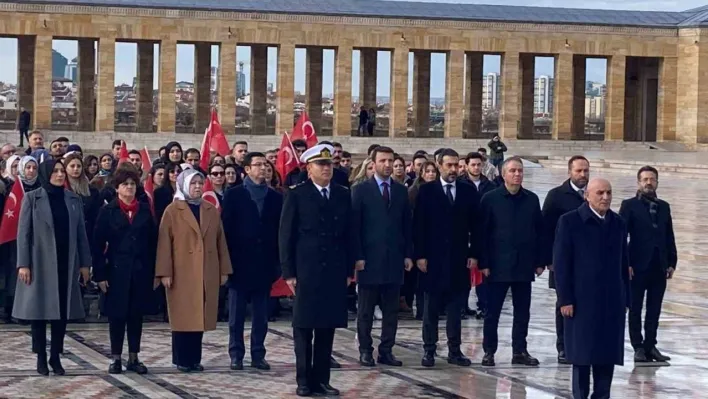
(21, 169)
(183, 181)
(7, 173)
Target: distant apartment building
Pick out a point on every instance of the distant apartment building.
(214, 78)
(490, 91)
(594, 107)
(240, 81)
(543, 95)
(72, 70)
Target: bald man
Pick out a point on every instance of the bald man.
(592, 282)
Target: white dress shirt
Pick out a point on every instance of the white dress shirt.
(580, 191)
(453, 189)
(319, 188)
(597, 214)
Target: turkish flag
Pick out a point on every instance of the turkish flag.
(287, 160)
(214, 139)
(11, 213)
(123, 154)
(476, 276)
(145, 157)
(149, 188)
(304, 130)
(280, 288)
(209, 195)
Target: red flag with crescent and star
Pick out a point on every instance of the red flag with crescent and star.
(145, 157)
(287, 160)
(304, 130)
(123, 154)
(209, 195)
(215, 140)
(11, 213)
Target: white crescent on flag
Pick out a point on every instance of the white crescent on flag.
(210, 197)
(305, 127)
(13, 197)
(290, 156)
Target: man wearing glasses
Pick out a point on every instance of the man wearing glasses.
(7, 151)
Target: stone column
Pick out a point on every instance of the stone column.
(259, 88)
(227, 86)
(509, 115)
(343, 91)
(398, 114)
(454, 115)
(666, 123)
(421, 94)
(42, 85)
(202, 86)
(474, 82)
(85, 101)
(105, 99)
(144, 89)
(168, 67)
(368, 63)
(284, 118)
(614, 115)
(563, 97)
(527, 90)
(25, 73)
(692, 86)
(579, 78)
(313, 86)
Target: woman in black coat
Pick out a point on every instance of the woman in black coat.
(79, 185)
(124, 245)
(165, 194)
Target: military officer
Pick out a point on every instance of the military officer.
(316, 256)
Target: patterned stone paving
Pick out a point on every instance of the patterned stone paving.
(682, 335)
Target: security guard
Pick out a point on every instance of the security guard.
(317, 261)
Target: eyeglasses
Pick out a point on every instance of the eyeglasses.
(217, 174)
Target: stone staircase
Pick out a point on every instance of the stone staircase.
(630, 166)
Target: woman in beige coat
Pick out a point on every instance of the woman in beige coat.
(192, 262)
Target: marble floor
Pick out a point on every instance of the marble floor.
(683, 335)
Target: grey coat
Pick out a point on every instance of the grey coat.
(36, 249)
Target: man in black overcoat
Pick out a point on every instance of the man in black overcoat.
(559, 201)
(445, 242)
(384, 249)
(251, 217)
(652, 260)
(592, 282)
(515, 251)
(316, 257)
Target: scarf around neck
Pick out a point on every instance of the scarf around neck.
(257, 192)
(129, 209)
(653, 204)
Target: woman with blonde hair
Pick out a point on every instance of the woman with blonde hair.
(364, 172)
(78, 183)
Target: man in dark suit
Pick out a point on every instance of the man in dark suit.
(251, 216)
(592, 282)
(23, 125)
(316, 256)
(652, 260)
(515, 249)
(445, 241)
(383, 249)
(559, 201)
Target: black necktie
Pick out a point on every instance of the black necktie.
(324, 194)
(581, 192)
(448, 191)
(386, 194)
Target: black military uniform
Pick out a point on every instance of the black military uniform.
(316, 249)
(297, 176)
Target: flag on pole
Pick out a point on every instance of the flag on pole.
(304, 130)
(11, 213)
(149, 188)
(123, 154)
(287, 160)
(145, 157)
(214, 139)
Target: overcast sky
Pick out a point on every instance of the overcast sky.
(126, 52)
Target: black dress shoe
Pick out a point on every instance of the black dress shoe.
(116, 367)
(561, 358)
(303, 391)
(184, 369)
(480, 314)
(136, 366)
(236, 365)
(525, 359)
(656, 355)
(325, 389)
(55, 364)
(470, 312)
(42, 367)
(488, 360)
(333, 364)
(260, 364)
(459, 359)
(640, 356)
(367, 360)
(389, 360)
(428, 359)
(198, 367)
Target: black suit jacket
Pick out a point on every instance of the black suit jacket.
(446, 235)
(559, 201)
(382, 233)
(644, 238)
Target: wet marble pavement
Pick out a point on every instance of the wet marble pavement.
(682, 335)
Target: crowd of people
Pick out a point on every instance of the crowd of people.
(380, 238)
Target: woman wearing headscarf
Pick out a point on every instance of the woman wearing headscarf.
(27, 171)
(52, 249)
(78, 183)
(125, 271)
(192, 263)
(173, 153)
(9, 173)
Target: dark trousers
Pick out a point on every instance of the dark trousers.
(39, 336)
(409, 286)
(601, 381)
(223, 312)
(387, 296)
(481, 291)
(452, 303)
(560, 340)
(23, 136)
(117, 329)
(238, 299)
(187, 348)
(521, 300)
(312, 359)
(653, 282)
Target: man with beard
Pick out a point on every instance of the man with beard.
(446, 245)
(559, 201)
(652, 260)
